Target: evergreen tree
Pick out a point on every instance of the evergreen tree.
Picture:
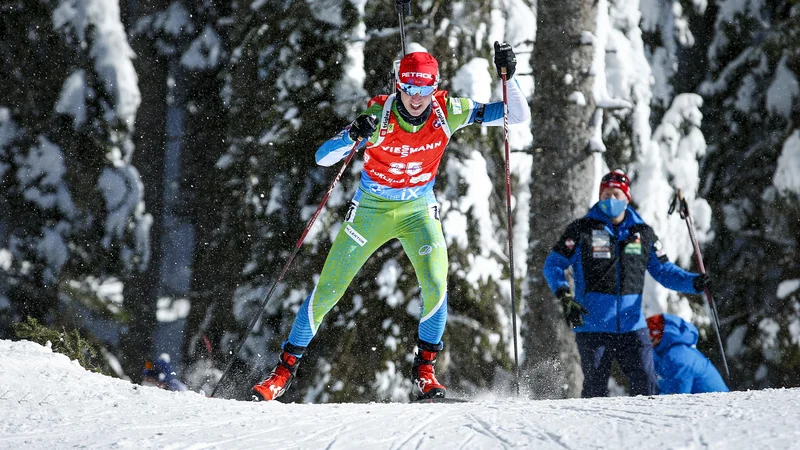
(280, 97)
(650, 127)
(148, 39)
(74, 200)
(752, 114)
(675, 36)
(217, 261)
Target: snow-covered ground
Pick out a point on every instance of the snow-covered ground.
(48, 402)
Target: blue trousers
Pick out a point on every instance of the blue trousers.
(634, 353)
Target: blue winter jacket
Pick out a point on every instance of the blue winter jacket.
(608, 267)
(681, 368)
(163, 375)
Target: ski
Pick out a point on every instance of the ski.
(439, 400)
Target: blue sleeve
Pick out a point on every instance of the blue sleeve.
(565, 253)
(335, 149)
(492, 112)
(669, 275)
(518, 109)
(676, 374)
(554, 266)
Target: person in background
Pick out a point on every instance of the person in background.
(161, 375)
(405, 136)
(681, 368)
(609, 251)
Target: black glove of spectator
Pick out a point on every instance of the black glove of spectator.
(363, 127)
(504, 57)
(702, 282)
(573, 311)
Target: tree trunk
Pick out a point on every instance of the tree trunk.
(142, 289)
(216, 263)
(562, 178)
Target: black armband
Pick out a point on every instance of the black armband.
(479, 113)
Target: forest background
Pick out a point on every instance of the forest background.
(157, 169)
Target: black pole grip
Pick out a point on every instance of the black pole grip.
(403, 7)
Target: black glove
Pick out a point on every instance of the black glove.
(504, 57)
(573, 311)
(702, 282)
(363, 127)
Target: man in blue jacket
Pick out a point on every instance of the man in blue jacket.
(609, 250)
(681, 368)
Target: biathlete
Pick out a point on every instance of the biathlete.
(405, 135)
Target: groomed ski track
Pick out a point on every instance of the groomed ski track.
(46, 401)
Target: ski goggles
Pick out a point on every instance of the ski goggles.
(615, 176)
(413, 90)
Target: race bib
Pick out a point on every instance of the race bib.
(601, 244)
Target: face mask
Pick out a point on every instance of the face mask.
(613, 207)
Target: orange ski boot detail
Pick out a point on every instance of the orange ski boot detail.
(425, 376)
(278, 380)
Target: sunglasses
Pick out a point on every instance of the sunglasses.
(412, 90)
(618, 177)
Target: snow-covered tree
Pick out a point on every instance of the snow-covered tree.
(203, 197)
(280, 98)
(76, 224)
(675, 35)
(136, 340)
(752, 115)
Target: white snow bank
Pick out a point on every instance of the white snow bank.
(46, 401)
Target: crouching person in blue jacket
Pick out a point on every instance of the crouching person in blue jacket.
(681, 368)
(609, 251)
(161, 375)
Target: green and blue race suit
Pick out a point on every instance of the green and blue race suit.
(395, 200)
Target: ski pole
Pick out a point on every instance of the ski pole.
(683, 209)
(286, 266)
(504, 76)
(403, 8)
